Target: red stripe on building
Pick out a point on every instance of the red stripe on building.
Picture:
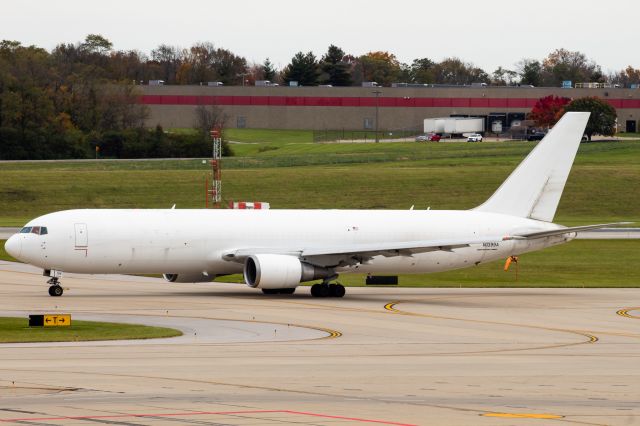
(383, 102)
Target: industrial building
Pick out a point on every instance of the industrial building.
(354, 108)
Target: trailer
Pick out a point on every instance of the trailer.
(454, 125)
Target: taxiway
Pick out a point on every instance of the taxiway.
(395, 356)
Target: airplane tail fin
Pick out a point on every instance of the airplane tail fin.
(534, 188)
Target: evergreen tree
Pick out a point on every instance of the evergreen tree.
(268, 70)
(335, 69)
(303, 69)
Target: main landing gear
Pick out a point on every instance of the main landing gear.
(327, 290)
(55, 288)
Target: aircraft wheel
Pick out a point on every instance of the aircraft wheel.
(336, 290)
(314, 290)
(55, 291)
(271, 290)
(320, 290)
(287, 290)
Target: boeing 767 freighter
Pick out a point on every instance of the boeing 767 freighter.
(276, 250)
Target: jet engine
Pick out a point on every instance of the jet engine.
(197, 277)
(277, 271)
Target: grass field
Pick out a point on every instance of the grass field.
(14, 330)
(602, 186)
(3, 253)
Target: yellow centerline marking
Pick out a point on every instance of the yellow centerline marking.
(523, 415)
(592, 339)
(625, 312)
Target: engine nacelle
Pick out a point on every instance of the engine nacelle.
(197, 277)
(274, 271)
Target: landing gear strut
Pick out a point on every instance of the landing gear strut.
(327, 290)
(55, 288)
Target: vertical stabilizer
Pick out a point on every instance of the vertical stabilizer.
(534, 188)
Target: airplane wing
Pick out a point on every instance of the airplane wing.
(359, 253)
(562, 231)
(351, 254)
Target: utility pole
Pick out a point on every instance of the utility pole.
(377, 93)
(243, 75)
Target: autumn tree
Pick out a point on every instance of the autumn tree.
(562, 64)
(208, 118)
(503, 77)
(96, 44)
(422, 71)
(381, 67)
(168, 58)
(603, 116)
(303, 69)
(626, 77)
(548, 110)
(455, 71)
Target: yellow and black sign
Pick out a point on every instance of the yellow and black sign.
(48, 320)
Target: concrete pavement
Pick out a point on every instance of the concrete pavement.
(383, 355)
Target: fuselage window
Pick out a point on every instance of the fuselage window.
(43, 230)
(35, 230)
(25, 230)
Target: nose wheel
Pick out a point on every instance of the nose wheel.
(55, 289)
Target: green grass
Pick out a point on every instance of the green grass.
(13, 330)
(3, 253)
(601, 187)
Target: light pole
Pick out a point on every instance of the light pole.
(377, 93)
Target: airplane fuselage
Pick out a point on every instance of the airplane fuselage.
(183, 241)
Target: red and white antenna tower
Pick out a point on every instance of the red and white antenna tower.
(214, 194)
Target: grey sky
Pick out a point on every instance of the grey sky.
(490, 33)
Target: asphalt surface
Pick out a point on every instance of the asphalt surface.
(379, 356)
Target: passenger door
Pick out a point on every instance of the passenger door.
(82, 236)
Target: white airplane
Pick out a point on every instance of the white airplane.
(276, 250)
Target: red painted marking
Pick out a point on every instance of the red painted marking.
(384, 102)
(202, 413)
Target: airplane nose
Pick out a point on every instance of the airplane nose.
(13, 246)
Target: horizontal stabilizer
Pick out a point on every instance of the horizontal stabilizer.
(562, 231)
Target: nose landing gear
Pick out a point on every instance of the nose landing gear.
(55, 289)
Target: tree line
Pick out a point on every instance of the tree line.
(78, 101)
(204, 62)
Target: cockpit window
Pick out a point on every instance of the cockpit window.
(38, 230)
